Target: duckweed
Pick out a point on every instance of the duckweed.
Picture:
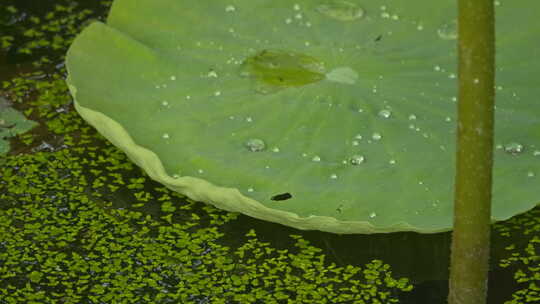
(64, 240)
(523, 258)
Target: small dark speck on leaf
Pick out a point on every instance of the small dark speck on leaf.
(281, 197)
(378, 38)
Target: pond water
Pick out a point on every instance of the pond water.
(64, 155)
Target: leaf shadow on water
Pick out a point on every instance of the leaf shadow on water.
(423, 258)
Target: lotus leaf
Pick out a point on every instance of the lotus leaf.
(336, 115)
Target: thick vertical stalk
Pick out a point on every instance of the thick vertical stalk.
(472, 201)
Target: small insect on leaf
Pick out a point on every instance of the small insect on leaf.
(281, 197)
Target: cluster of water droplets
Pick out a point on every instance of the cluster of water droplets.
(386, 14)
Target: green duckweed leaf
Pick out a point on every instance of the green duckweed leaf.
(347, 106)
(11, 123)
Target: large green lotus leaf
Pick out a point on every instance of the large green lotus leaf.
(331, 115)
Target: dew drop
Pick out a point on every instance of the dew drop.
(275, 149)
(513, 148)
(357, 160)
(212, 74)
(165, 136)
(341, 10)
(355, 143)
(250, 190)
(217, 93)
(385, 113)
(344, 75)
(333, 176)
(316, 158)
(530, 174)
(536, 153)
(165, 103)
(448, 31)
(255, 145)
(376, 136)
(372, 215)
(412, 117)
(392, 162)
(173, 77)
(249, 119)
(201, 171)
(296, 7)
(358, 136)
(230, 8)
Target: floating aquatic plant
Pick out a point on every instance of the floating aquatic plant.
(11, 123)
(347, 106)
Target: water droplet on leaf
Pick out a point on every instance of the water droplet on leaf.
(255, 145)
(513, 148)
(341, 10)
(344, 75)
(448, 31)
(357, 159)
(385, 113)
